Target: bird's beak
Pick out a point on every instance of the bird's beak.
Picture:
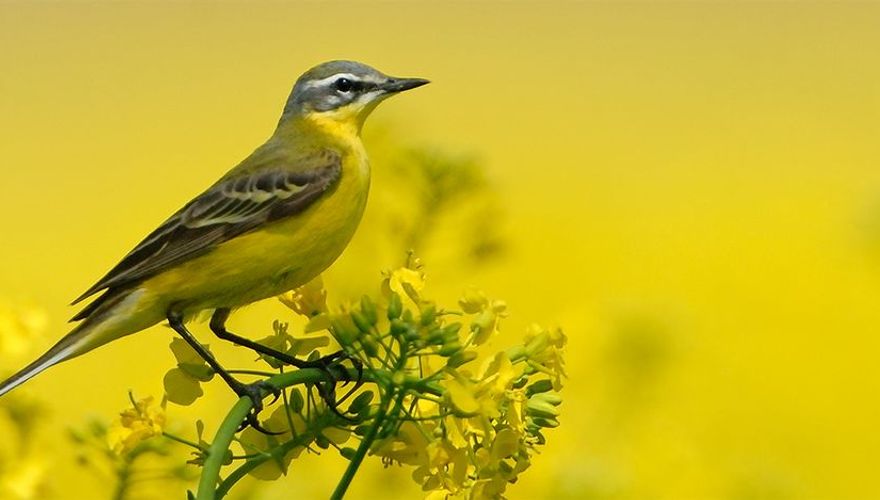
(394, 85)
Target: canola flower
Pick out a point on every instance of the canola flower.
(142, 421)
(415, 389)
(134, 452)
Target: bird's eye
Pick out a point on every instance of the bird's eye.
(344, 85)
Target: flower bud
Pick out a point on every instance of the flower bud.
(550, 423)
(322, 441)
(473, 301)
(450, 331)
(428, 313)
(343, 330)
(411, 334)
(296, 401)
(540, 408)
(348, 453)
(398, 327)
(552, 398)
(449, 349)
(361, 402)
(538, 344)
(370, 346)
(460, 358)
(395, 306)
(435, 335)
(539, 387)
(361, 321)
(368, 308)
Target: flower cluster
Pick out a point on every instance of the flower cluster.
(423, 393)
(130, 452)
(480, 431)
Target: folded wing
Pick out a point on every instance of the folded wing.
(228, 209)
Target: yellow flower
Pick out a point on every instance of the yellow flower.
(308, 300)
(485, 325)
(544, 350)
(406, 282)
(136, 425)
(461, 396)
(473, 301)
(408, 446)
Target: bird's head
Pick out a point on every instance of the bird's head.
(343, 93)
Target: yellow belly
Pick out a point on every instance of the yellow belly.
(271, 260)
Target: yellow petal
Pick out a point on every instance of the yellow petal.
(506, 443)
(462, 399)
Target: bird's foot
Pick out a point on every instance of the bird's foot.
(332, 366)
(255, 391)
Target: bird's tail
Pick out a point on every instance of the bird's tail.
(64, 349)
(121, 314)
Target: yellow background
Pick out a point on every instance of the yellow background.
(692, 190)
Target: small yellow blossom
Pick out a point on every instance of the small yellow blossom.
(406, 282)
(461, 397)
(544, 350)
(308, 300)
(408, 446)
(135, 425)
(487, 321)
(473, 301)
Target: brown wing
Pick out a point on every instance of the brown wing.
(226, 210)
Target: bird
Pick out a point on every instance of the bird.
(273, 223)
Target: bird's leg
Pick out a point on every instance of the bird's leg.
(218, 326)
(325, 364)
(253, 391)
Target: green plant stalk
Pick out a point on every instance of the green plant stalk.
(362, 449)
(225, 434)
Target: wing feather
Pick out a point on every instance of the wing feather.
(232, 207)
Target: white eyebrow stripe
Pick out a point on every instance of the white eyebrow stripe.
(332, 78)
(323, 82)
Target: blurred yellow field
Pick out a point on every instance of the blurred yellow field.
(690, 191)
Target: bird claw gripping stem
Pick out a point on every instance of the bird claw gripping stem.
(332, 366)
(255, 392)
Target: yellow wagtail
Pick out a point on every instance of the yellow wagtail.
(273, 223)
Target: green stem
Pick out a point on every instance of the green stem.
(216, 452)
(123, 475)
(362, 449)
(229, 427)
(183, 441)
